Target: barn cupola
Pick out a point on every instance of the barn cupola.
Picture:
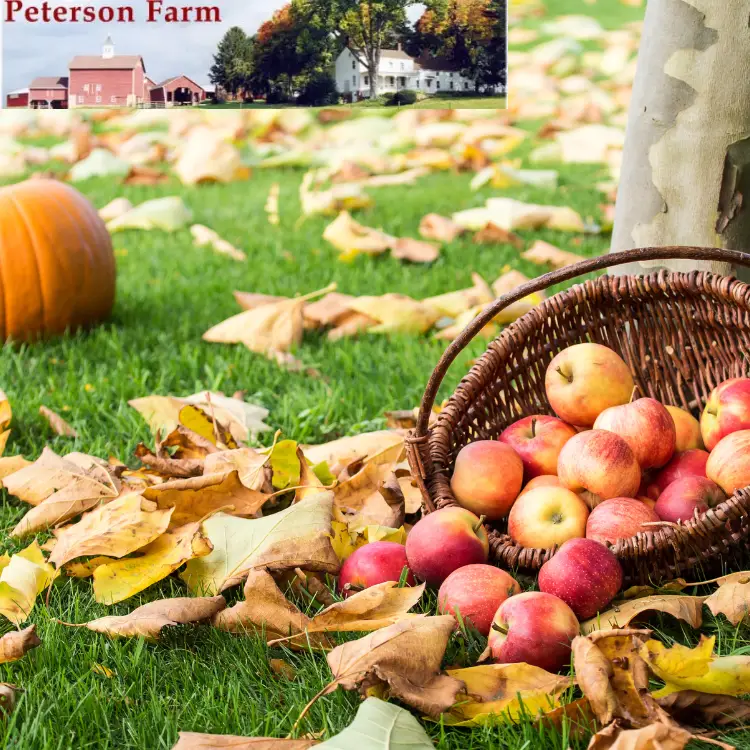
(108, 50)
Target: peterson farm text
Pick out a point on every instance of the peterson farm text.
(152, 11)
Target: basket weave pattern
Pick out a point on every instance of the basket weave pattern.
(681, 335)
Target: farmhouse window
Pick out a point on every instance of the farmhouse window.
(451, 85)
(466, 85)
(98, 87)
(49, 94)
(113, 99)
(429, 83)
(417, 82)
(354, 80)
(85, 88)
(367, 80)
(402, 66)
(437, 84)
(354, 65)
(98, 100)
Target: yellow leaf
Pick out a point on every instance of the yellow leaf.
(454, 304)
(24, 576)
(202, 236)
(6, 413)
(57, 423)
(349, 236)
(85, 568)
(687, 608)
(203, 424)
(121, 579)
(102, 670)
(364, 446)
(308, 482)
(285, 464)
(396, 313)
(543, 253)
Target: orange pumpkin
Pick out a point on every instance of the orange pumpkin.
(57, 268)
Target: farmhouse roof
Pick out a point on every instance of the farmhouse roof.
(397, 54)
(50, 82)
(117, 62)
(438, 64)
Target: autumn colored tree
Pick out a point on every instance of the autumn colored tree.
(232, 64)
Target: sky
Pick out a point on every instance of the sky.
(168, 49)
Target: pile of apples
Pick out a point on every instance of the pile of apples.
(607, 467)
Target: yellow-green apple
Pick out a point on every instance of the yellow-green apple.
(545, 480)
(473, 594)
(373, 563)
(690, 463)
(727, 410)
(487, 478)
(619, 518)
(584, 574)
(688, 429)
(445, 541)
(547, 516)
(537, 440)
(601, 463)
(646, 426)
(729, 462)
(584, 380)
(535, 628)
(681, 499)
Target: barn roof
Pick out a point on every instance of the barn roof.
(174, 78)
(50, 82)
(17, 92)
(118, 62)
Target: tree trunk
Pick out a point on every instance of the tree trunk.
(372, 72)
(686, 163)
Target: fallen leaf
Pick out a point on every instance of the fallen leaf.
(380, 726)
(328, 310)
(203, 236)
(396, 313)
(495, 691)
(440, 228)
(117, 580)
(6, 412)
(308, 482)
(364, 446)
(115, 208)
(198, 741)
(99, 163)
(103, 671)
(24, 576)
(298, 536)
(57, 423)
(148, 620)
(251, 300)
(350, 237)
(85, 568)
(347, 196)
(407, 657)
(203, 423)
(691, 707)
(283, 669)
(168, 214)
(657, 736)
(731, 599)
(15, 645)
(284, 461)
(272, 204)
(687, 608)
(8, 697)
(453, 304)
(415, 251)
(251, 465)
(10, 465)
(140, 175)
(207, 156)
(543, 253)
(116, 529)
(492, 234)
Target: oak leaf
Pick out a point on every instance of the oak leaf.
(116, 529)
(116, 580)
(15, 645)
(405, 656)
(57, 423)
(298, 536)
(687, 608)
(200, 741)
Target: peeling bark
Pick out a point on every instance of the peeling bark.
(686, 165)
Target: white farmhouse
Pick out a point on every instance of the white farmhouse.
(398, 71)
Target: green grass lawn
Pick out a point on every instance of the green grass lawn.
(431, 102)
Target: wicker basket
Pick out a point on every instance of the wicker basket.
(680, 333)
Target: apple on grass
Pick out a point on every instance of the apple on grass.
(371, 564)
(729, 462)
(584, 574)
(547, 516)
(681, 499)
(444, 541)
(537, 440)
(690, 463)
(487, 478)
(600, 463)
(473, 594)
(687, 429)
(534, 627)
(727, 410)
(584, 380)
(619, 518)
(646, 426)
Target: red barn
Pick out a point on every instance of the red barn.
(19, 98)
(109, 80)
(48, 92)
(178, 90)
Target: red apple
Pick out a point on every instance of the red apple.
(373, 563)
(487, 478)
(584, 574)
(474, 593)
(727, 410)
(619, 518)
(688, 429)
(535, 628)
(691, 463)
(547, 516)
(646, 426)
(584, 380)
(538, 441)
(681, 499)
(444, 541)
(545, 480)
(601, 463)
(729, 462)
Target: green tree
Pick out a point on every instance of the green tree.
(233, 61)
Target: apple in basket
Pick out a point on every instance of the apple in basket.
(619, 518)
(585, 574)
(646, 426)
(547, 516)
(727, 410)
(690, 463)
(584, 380)
(538, 440)
(545, 480)
(534, 627)
(371, 564)
(444, 541)
(487, 478)
(729, 462)
(681, 499)
(474, 592)
(687, 428)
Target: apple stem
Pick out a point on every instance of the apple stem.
(479, 524)
(500, 628)
(569, 378)
(533, 427)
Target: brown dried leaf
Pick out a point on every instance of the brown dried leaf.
(415, 251)
(57, 423)
(251, 300)
(543, 253)
(148, 620)
(657, 736)
(492, 234)
(283, 669)
(254, 471)
(169, 467)
(203, 236)
(691, 707)
(405, 656)
(366, 445)
(198, 741)
(8, 697)
(10, 465)
(731, 599)
(328, 310)
(140, 175)
(687, 608)
(17, 643)
(440, 228)
(350, 325)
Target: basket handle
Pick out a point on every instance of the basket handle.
(548, 279)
